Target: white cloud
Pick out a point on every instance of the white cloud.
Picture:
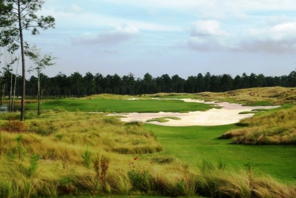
(76, 8)
(198, 44)
(216, 29)
(268, 46)
(241, 4)
(279, 38)
(214, 9)
(118, 35)
(87, 20)
(208, 35)
(206, 28)
(281, 31)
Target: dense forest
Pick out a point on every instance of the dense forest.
(77, 85)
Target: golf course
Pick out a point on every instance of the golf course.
(231, 144)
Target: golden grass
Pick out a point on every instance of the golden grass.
(91, 154)
(109, 96)
(251, 96)
(272, 128)
(269, 128)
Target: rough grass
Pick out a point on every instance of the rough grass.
(64, 147)
(87, 154)
(275, 127)
(171, 95)
(254, 96)
(84, 129)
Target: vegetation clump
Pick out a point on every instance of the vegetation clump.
(260, 96)
(66, 153)
(163, 119)
(275, 127)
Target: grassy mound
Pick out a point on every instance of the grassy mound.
(255, 96)
(275, 127)
(82, 129)
(62, 152)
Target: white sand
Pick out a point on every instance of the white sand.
(227, 114)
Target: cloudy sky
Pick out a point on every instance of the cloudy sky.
(183, 37)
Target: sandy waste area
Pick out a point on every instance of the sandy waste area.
(228, 113)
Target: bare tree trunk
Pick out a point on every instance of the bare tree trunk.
(10, 92)
(1, 77)
(38, 92)
(3, 91)
(22, 118)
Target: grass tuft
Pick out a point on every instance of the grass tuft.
(163, 119)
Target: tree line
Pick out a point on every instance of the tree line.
(78, 85)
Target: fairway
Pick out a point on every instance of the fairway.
(122, 106)
(194, 145)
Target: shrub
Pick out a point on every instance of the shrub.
(139, 179)
(138, 176)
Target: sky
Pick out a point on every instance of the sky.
(183, 37)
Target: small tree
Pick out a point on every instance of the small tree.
(41, 61)
(17, 16)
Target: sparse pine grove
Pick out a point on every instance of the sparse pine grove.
(78, 153)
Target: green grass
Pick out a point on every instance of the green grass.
(121, 106)
(163, 119)
(143, 196)
(261, 103)
(194, 145)
(174, 95)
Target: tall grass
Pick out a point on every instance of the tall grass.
(277, 127)
(49, 162)
(254, 96)
(84, 156)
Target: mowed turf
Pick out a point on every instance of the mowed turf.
(197, 145)
(120, 106)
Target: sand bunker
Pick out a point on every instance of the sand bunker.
(227, 114)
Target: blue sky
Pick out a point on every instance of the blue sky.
(170, 37)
